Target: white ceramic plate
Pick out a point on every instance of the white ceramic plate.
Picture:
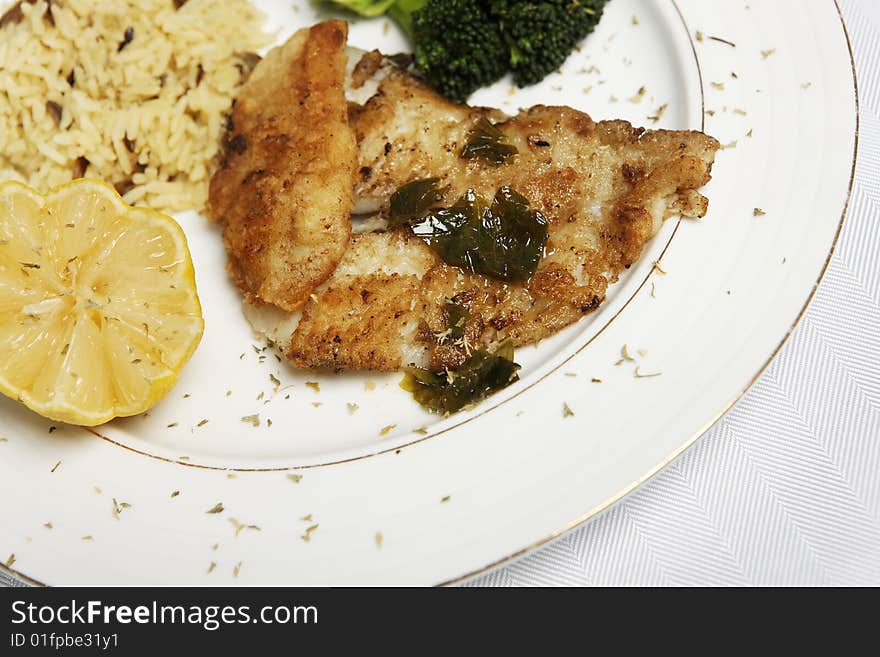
(484, 486)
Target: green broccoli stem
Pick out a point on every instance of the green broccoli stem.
(402, 12)
(368, 8)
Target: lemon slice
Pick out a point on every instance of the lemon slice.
(98, 303)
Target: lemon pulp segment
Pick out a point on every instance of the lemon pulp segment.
(98, 304)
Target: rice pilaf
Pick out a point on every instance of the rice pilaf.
(133, 92)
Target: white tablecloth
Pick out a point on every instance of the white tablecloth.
(785, 489)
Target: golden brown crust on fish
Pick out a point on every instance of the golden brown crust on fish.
(358, 321)
(367, 315)
(604, 188)
(284, 191)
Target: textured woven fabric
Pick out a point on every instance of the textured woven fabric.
(785, 489)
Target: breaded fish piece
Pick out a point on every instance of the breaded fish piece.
(284, 191)
(603, 187)
(369, 314)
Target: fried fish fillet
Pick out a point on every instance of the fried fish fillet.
(604, 188)
(284, 191)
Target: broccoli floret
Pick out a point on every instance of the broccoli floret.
(462, 45)
(542, 35)
(458, 47)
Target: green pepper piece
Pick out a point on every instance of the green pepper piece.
(487, 142)
(456, 319)
(504, 241)
(481, 375)
(413, 200)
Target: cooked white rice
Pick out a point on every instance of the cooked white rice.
(147, 116)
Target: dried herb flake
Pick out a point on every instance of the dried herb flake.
(253, 420)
